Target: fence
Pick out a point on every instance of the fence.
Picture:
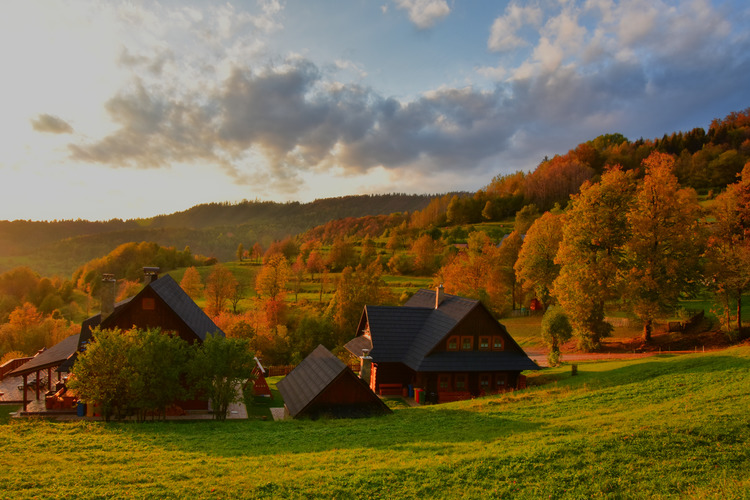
(283, 370)
(11, 365)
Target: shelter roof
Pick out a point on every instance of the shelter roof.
(49, 358)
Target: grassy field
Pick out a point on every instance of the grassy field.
(659, 427)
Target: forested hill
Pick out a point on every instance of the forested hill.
(213, 229)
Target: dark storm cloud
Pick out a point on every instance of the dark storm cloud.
(51, 124)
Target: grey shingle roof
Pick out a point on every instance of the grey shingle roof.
(181, 303)
(410, 333)
(356, 345)
(309, 378)
(51, 357)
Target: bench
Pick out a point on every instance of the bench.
(391, 389)
(447, 397)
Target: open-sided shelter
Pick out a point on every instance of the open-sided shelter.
(323, 385)
(162, 303)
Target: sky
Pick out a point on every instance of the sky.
(113, 109)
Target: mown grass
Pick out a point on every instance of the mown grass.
(660, 427)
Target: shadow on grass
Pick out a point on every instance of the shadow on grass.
(421, 429)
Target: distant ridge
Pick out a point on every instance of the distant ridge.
(212, 229)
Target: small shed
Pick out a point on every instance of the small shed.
(260, 386)
(323, 385)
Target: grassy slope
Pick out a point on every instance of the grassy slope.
(657, 427)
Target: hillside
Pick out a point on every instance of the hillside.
(215, 229)
(662, 427)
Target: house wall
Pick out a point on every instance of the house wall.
(478, 323)
(148, 310)
(392, 373)
(346, 396)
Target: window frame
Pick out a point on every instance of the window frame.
(495, 338)
(457, 340)
(470, 339)
(488, 340)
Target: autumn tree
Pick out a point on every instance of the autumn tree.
(220, 285)
(298, 273)
(257, 252)
(525, 218)
(662, 252)
(728, 248)
(191, 283)
(507, 255)
(270, 284)
(591, 254)
(315, 263)
(240, 251)
(427, 254)
(354, 289)
(475, 273)
(342, 254)
(536, 268)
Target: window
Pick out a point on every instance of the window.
(484, 381)
(500, 380)
(497, 343)
(148, 304)
(444, 383)
(484, 343)
(460, 382)
(467, 343)
(453, 343)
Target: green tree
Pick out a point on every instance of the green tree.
(507, 256)
(591, 254)
(526, 217)
(240, 251)
(103, 373)
(665, 243)
(220, 366)
(556, 330)
(159, 362)
(536, 268)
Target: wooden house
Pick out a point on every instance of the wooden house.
(323, 385)
(162, 303)
(449, 346)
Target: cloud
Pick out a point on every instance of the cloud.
(51, 124)
(424, 13)
(280, 122)
(503, 34)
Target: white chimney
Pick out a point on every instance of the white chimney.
(109, 291)
(365, 366)
(439, 295)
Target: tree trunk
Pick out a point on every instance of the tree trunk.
(739, 313)
(647, 326)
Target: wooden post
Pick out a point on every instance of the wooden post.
(49, 378)
(25, 380)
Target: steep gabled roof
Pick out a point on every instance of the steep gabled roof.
(409, 334)
(49, 358)
(309, 378)
(180, 302)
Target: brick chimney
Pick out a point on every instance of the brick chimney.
(439, 295)
(109, 291)
(365, 366)
(150, 274)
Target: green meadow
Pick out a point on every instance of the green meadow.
(660, 427)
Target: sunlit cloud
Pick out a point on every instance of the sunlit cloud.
(424, 13)
(51, 124)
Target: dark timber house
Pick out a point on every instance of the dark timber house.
(449, 346)
(162, 303)
(323, 385)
